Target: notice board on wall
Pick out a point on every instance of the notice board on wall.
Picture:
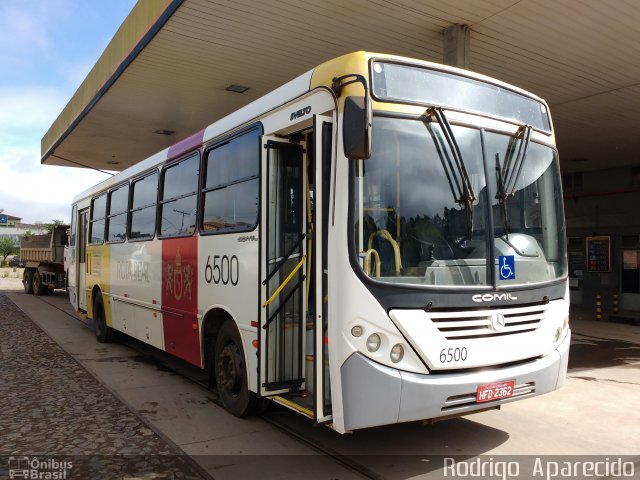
(599, 254)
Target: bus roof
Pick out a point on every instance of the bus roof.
(320, 76)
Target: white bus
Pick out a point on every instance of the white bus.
(380, 240)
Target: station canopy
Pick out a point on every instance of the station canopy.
(172, 67)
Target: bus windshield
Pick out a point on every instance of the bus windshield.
(411, 226)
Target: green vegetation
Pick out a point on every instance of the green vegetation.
(53, 224)
(7, 247)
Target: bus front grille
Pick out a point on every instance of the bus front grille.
(488, 323)
(469, 399)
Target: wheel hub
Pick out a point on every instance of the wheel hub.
(230, 369)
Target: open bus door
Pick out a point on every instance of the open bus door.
(323, 148)
(293, 359)
(282, 268)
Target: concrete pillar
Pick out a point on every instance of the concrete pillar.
(457, 50)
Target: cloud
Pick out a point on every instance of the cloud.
(40, 192)
(36, 212)
(76, 72)
(46, 49)
(31, 32)
(23, 24)
(29, 107)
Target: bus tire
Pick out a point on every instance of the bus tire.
(104, 333)
(38, 288)
(27, 281)
(231, 372)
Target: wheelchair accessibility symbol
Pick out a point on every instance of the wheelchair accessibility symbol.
(507, 267)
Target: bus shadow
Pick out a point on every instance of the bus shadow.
(399, 451)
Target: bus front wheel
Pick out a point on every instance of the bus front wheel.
(231, 372)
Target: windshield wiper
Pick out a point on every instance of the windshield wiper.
(463, 193)
(507, 175)
(501, 196)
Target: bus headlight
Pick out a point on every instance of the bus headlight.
(373, 342)
(558, 334)
(561, 329)
(356, 331)
(397, 352)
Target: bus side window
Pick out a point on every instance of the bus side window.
(230, 191)
(117, 218)
(179, 186)
(142, 216)
(96, 226)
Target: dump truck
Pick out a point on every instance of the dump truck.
(44, 258)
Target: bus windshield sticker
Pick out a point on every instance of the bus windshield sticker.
(507, 267)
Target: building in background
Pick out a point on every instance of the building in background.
(12, 227)
(604, 241)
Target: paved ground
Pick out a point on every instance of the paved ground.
(186, 413)
(52, 407)
(597, 412)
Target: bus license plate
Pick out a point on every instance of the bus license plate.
(495, 391)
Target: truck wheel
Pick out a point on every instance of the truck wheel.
(231, 373)
(38, 288)
(104, 333)
(27, 281)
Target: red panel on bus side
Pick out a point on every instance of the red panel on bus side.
(180, 298)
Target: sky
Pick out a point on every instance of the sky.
(47, 48)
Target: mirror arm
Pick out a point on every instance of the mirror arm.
(338, 84)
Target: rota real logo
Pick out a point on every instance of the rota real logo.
(179, 279)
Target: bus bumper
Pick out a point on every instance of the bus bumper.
(374, 394)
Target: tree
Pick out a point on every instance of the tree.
(7, 247)
(53, 224)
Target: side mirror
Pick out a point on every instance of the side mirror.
(356, 128)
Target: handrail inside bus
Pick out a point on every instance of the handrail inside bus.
(387, 236)
(283, 303)
(286, 281)
(285, 258)
(367, 261)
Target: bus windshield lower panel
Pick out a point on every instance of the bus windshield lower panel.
(412, 226)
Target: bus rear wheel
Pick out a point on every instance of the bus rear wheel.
(231, 373)
(27, 281)
(104, 333)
